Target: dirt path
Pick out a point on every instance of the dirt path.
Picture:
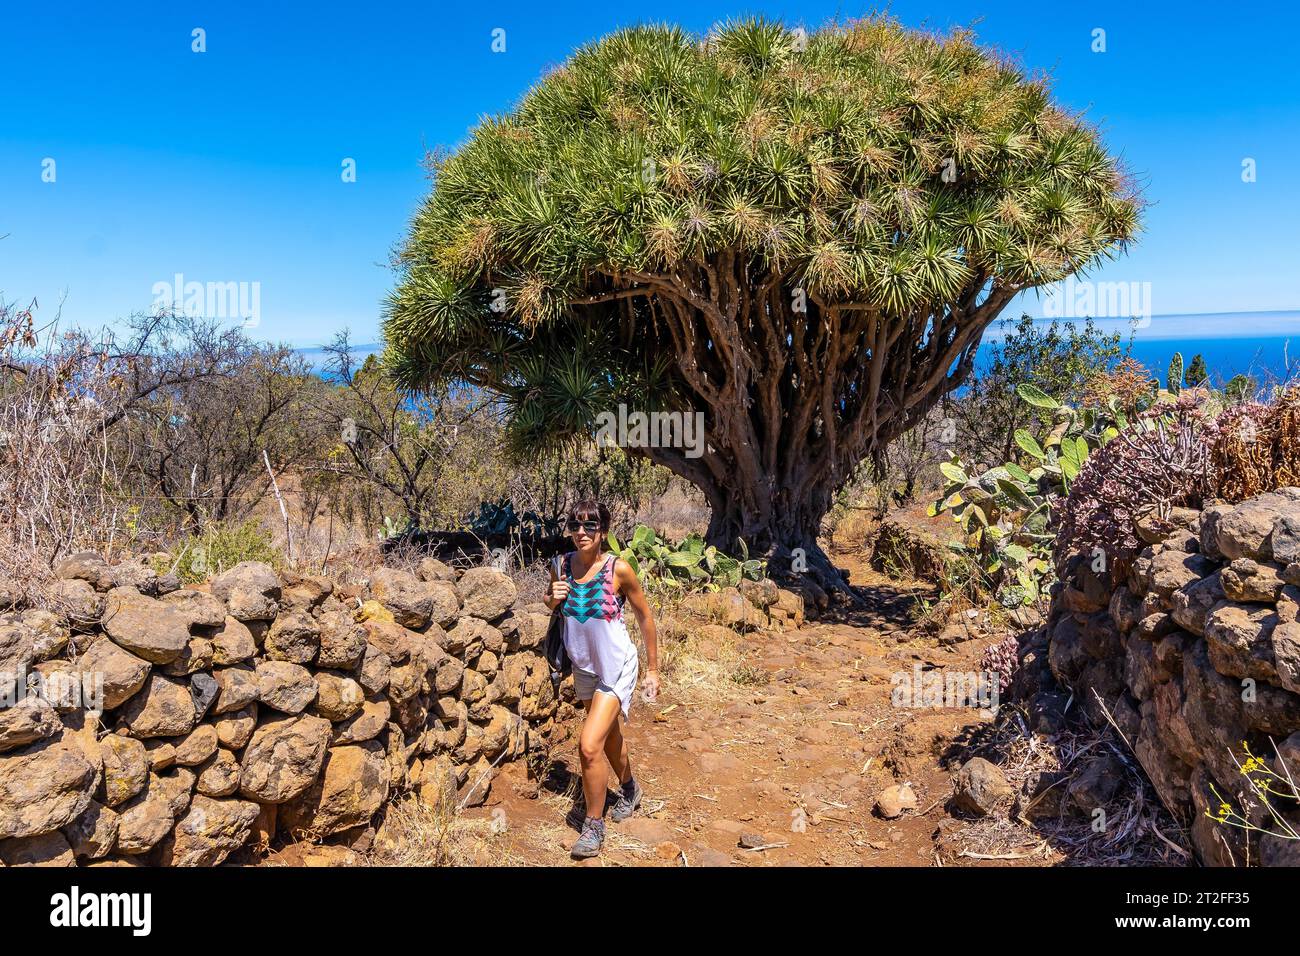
(791, 763)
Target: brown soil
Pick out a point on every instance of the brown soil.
(792, 762)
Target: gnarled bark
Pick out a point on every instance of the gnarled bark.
(793, 398)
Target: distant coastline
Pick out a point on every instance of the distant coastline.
(1254, 343)
(1262, 344)
(1205, 325)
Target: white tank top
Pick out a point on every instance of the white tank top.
(594, 632)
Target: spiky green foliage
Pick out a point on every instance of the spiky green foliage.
(749, 224)
(1197, 373)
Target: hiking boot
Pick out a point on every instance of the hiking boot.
(589, 843)
(576, 816)
(626, 803)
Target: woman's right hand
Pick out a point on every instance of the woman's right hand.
(559, 591)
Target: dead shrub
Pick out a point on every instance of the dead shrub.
(1255, 447)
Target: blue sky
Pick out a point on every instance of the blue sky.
(224, 166)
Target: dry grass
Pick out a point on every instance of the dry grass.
(532, 581)
(58, 470)
(854, 530)
(704, 666)
(1139, 831)
(680, 511)
(415, 834)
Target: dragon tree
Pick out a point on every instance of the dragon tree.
(800, 235)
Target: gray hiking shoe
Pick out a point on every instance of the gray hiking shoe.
(626, 803)
(589, 843)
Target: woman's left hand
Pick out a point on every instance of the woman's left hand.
(650, 685)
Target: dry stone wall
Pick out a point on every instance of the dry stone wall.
(146, 723)
(149, 723)
(1194, 650)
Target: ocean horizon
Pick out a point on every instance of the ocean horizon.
(1232, 343)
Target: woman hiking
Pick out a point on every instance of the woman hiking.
(591, 587)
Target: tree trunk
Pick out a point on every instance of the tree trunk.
(795, 392)
(786, 537)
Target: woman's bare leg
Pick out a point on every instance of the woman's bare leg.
(602, 715)
(616, 752)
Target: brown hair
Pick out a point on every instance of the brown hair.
(589, 508)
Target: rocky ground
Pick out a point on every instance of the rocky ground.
(803, 758)
(776, 741)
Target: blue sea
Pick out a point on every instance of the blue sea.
(1265, 345)
(318, 358)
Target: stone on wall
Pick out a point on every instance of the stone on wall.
(1204, 647)
(269, 704)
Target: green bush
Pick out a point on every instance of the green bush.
(1006, 511)
(1058, 359)
(219, 548)
(691, 564)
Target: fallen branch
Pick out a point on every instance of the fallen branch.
(1003, 856)
(1172, 845)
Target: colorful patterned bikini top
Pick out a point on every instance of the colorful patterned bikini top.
(595, 599)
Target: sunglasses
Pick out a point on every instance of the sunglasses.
(591, 527)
